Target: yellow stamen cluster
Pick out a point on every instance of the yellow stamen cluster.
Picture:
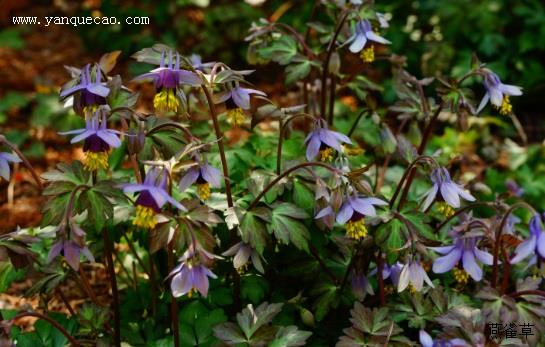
(203, 190)
(412, 289)
(90, 109)
(95, 161)
(506, 106)
(445, 209)
(166, 101)
(356, 229)
(389, 289)
(235, 116)
(368, 54)
(242, 270)
(145, 217)
(190, 293)
(326, 155)
(460, 276)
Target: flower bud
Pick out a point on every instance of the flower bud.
(307, 317)
(135, 140)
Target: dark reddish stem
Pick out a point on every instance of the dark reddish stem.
(51, 321)
(325, 66)
(527, 292)
(219, 135)
(113, 282)
(24, 159)
(284, 174)
(427, 134)
(380, 267)
(173, 302)
(281, 133)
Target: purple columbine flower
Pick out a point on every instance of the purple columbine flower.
(413, 275)
(98, 141)
(237, 100)
(464, 249)
(191, 274)
(364, 33)
(498, 93)
(427, 341)
(352, 213)
(360, 285)
(533, 246)
(168, 77)
(322, 142)
(205, 175)
(5, 159)
(513, 188)
(152, 196)
(71, 248)
(449, 192)
(242, 253)
(88, 94)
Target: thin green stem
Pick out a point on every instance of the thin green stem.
(281, 133)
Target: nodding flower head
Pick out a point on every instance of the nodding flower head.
(446, 192)
(71, 248)
(323, 142)
(464, 250)
(498, 93)
(244, 254)
(151, 198)
(413, 275)
(191, 275)
(5, 159)
(98, 140)
(168, 78)
(205, 175)
(535, 245)
(237, 100)
(427, 341)
(88, 93)
(362, 35)
(353, 211)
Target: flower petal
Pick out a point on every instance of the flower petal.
(524, 250)
(374, 37)
(313, 147)
(189, 178)
(345, 213)
(211, 175)
(430, 196)
(449, 192)
(447, 262)
(483, 103)
(358, 43)
(471, 266)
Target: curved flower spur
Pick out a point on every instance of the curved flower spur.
(151, 198)
(168, 79)
(88, 94)
(98, 140)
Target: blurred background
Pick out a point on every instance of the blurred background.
(437, 37)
